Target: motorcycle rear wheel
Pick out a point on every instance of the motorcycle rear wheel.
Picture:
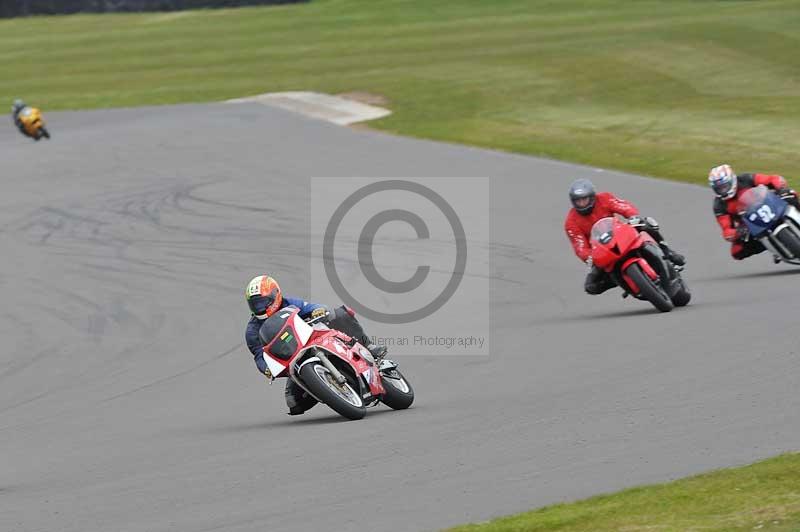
(343, 399)
(682, 295)
(399, 393)
(649, 290)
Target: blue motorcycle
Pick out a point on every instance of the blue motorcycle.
(773, 222)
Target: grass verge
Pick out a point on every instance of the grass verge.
(762, 496)
(666, 88)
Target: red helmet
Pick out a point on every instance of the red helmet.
(263, 296)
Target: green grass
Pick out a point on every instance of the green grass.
(763, 496)
(666, 88)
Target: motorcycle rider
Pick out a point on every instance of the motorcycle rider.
(264, 297)
(589, 206)
(17, 109)
(728, 187)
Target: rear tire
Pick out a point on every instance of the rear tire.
(649, 290)
(321, 383)
(399, 393)
(682, 295)
(790, 241)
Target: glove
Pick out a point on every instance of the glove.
(742, 233)
(786, 192)
(319, 312)
(635, 221)
(651, 222)
(261, 364)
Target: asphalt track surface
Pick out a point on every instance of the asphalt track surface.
(128, 402)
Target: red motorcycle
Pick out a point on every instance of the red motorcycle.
(636, 263)
(332, 367)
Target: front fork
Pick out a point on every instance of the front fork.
(315, 355)
(791, 222)
(327, 363)
(653, 255)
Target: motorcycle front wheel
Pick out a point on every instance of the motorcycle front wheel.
(649, 290)
(790, 241)
(342, 398)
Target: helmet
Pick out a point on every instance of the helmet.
(18, 104)
(582, 195)
(263, 296)
(723, 181)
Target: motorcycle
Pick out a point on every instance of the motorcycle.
(773, 222)
(335, 369)
(636, 263)
(33, 123)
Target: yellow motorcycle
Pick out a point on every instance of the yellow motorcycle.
(33, 123)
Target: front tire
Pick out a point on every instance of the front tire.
(344, 399)
(790, 241)
(45, 133)
(399, 393)
(649, 290)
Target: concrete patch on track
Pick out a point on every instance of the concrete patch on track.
(341, 111)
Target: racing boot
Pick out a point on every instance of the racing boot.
(673, 256)
(297, 399)
(378, 352)
(597, 281)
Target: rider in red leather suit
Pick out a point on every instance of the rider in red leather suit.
(589, 206)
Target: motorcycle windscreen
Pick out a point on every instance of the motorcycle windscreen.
(273, 325)
(277, 334)
(602, 231)
(762, 209)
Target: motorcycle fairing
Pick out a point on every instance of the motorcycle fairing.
(763, 210)
(284, 334)
(31, 119)
(766, 215)
(611, 240)
(358, 357)
(287, 338)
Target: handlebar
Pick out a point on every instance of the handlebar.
(312, 320)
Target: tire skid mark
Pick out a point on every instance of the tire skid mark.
(25, 363)
(175, 375)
